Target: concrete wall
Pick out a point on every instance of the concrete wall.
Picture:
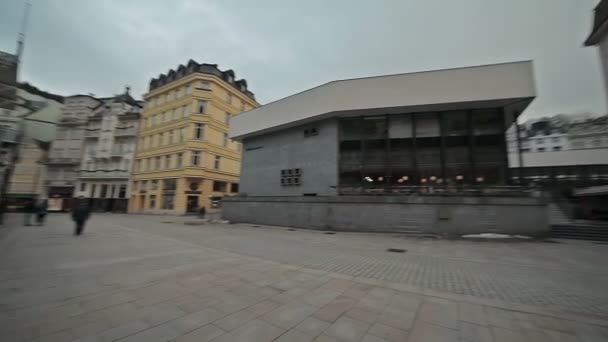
(266, 155)
(438, 215)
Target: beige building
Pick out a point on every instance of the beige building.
(184, 158)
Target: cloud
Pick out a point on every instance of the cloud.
(282, 47)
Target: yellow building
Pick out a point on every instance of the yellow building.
(184, 158)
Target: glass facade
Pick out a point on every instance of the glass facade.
(423, 149)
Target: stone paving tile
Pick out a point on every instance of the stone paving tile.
(372, 338)
(470, 332)
(202, 334)
(264, 307)
(295, 336)
(363, 315)
(256, 330)
(289, 315)
(388, 333)
(326, 338)
(312, 326)
(507, 335)
(472, 313)
(440, 312)
(428, 332)
(334, 309)
(347, 329)
(236, 319)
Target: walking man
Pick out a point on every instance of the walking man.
(80, 214)
(28, 211)
(41, 211)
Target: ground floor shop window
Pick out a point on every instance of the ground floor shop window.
(168, 202)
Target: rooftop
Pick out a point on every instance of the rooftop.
(193, 67)
(498, 85)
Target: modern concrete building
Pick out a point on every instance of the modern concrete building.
(184, 158)
(110, 138)
(310, 158)
(599, 37)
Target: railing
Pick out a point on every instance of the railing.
(91, 133)
(8, 135)
(124, 131)
(64, 161)
(104, 174)
(446, 190)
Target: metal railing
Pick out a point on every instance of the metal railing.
(64, 160)
(103, 174)
(443, 190)
(91, 133)
(129, 131)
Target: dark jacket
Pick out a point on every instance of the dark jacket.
(30, 207)
(81, 211)
(42, 207)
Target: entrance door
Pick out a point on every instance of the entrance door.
(142, 202)
(192, 204)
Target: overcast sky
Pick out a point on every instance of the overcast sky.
(286, 46)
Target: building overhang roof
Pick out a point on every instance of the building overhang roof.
(508, 85)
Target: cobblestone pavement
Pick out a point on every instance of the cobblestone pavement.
(151, 278)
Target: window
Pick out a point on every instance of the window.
(168, 201)
(220, 186)
(216, 162)
(154, 184)
(205, 85)
(152, 202)
(83, 186)
(167, 117)
(170, 137)
(185, 111)
(175, 114)
(309, 132)
(597, 142)
(135, 185)
(170, 184)
(242, 106)
(93, 186)
(167, 162)
(104, 191)
(144, 186)
(144, 165)
(290, 177)
(157, 163)
(122, 191)
(199, 131)
(226, 118)
(557, 148)
(539, 141)
(138, 166)
(555, 139)
(201, 107)
(196, 158)
(225, 139)
(540, 149)
(229, 98)
(180, 92)
(182, 134)
(188, 90)
(234, 187)
(178, 160)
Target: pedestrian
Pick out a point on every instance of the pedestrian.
(202, 211)
(28, 210)
(80, 214)
(41, 211)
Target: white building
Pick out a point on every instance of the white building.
(108, 153)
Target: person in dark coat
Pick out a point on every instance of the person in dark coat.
(28, 211)
(41, 211)
(80, 214)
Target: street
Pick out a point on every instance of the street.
(155, 278)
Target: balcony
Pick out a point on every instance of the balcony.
(72, 121)
(91, 133)
(59, 182)
(117, 152)
(8, 135)
(124, 132)
(103, 174)
(63, 161)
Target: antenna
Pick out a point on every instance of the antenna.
(21, 39)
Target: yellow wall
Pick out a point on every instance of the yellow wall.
(153, 142)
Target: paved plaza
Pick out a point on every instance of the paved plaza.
(154, 278)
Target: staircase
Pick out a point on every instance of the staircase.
(562, 227)
(579, 231)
